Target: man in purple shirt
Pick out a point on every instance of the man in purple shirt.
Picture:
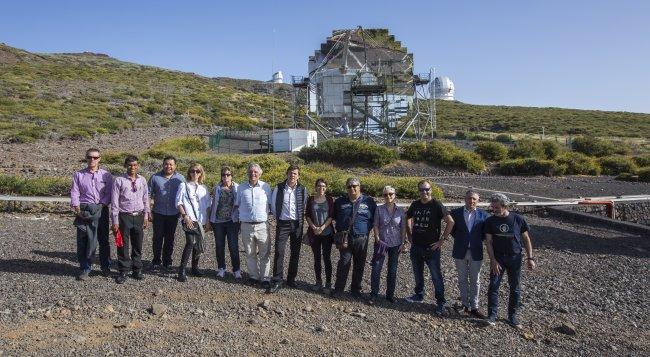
(92, 185)
(130, 214)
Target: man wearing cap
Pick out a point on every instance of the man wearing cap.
(163, 187)
(506, 235)
(130, 214)
(363, 208)
(92, 186)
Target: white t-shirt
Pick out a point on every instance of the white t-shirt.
(199, 197)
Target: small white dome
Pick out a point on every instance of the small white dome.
(444, 88)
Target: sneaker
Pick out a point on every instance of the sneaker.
(415, 298)
(266, 284)
(238, 274)
(492, 320)
(221, 273)
(514, 322)
(83, 276)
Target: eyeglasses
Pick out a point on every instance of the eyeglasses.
(352, 186)
(389, 194)
(222, 175)
(92, 157)
(195, 171)
(321, 186)
(425, 189)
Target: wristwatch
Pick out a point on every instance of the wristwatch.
(531, 258)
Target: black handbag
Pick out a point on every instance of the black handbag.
(198, 227)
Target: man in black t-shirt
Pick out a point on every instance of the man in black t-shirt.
(424, 218)
(506, 233)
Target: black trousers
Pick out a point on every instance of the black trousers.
(322, 247)
(190, 249)
(286, 230)
(164, 229)
(132, 234)
(355, 253)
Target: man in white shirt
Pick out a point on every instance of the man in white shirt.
(288, 206)
(252, 202)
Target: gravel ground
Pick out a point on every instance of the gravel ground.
(593, 278)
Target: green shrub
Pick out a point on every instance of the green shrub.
(578, 164)
(446, 154)
(185, 144)
(40, 186)
(614, 165)
(461, 135)
(491, 151)
(413, 151)
(349, 151)
(644, 174)
(504, 138)
(527, 148)
(642, 161)
(593, 146)
(551, 149)
(114, 158)
(531, 166)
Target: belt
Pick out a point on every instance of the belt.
(255, 222)
(137, 213)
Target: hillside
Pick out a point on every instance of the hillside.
(78, 95)
(455, 115)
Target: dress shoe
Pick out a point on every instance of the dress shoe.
(197, 273)
(106, 272)
(137, 275)
(182, 277)
(476, 313)
(336, 294)
(292, 284)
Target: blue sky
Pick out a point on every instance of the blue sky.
(572, 54)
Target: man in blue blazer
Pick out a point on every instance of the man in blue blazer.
(468, 250)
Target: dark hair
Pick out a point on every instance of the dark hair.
(92, 150)
(225, 169)
(129, 159)
(293, 167)
(169, 157)
(320, 180)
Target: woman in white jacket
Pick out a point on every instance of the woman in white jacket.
(225, 223)
(193, 202)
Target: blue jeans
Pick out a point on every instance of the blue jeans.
(393, 255)
(229, 230)
(511, 265)
(418, 260)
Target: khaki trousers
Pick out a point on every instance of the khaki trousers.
(258, 249)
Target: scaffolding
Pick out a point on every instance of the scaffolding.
(361, 85)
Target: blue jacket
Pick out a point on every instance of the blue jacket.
(463, 238)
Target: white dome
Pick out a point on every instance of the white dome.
(444, 88)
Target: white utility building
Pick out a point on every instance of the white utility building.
(285, 140)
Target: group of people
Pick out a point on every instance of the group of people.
(348, 222)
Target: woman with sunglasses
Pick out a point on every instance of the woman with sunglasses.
(390, 231)
(319, 212)
(225, 223)
(193, 201)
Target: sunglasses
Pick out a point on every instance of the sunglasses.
(92, 157)
(389, 194)
(134, 186)
(222, 175)
(427, 189)
(195, 171)
(352, 186)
